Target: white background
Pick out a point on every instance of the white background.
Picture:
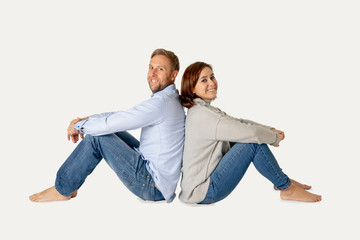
(289, 64)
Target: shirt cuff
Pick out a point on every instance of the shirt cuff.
(80, 126)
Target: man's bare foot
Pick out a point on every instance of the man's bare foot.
(297, 193)
(50, 194)
(303, 186)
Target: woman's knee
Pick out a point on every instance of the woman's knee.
(240, 144)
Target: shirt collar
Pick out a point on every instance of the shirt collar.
(169, 89)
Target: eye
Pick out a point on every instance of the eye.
(204, 80)
(212, 77)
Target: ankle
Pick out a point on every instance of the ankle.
(288, 191)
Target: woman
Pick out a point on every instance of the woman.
(219, 148)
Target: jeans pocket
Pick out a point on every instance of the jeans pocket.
(125, 178)
(136, 185)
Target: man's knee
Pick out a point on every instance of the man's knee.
(90, 138)
(97, 139)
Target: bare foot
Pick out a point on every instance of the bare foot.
(50, 194)
(303, 186)
(297, 193)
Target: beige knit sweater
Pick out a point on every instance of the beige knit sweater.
(208, 132)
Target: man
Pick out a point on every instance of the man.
(149, 168)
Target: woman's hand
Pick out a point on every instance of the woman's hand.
(282, 134)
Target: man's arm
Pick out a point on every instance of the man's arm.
(147, 113)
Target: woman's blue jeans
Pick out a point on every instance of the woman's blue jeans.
(234, 164)
(118, 151)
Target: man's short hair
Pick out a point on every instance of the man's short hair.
(174, 60)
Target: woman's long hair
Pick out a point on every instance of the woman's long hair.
(188, 83)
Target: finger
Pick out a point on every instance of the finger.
(75, 138)
(82, 135)
(69, 135)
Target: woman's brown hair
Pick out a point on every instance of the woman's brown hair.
(188, 83)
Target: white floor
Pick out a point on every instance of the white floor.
(105, 209)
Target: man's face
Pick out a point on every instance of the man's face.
(160, 74)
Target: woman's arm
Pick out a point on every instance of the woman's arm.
(237, 130)
(247, 121)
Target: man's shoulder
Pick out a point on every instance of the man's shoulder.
(167, 96)
(156, 101)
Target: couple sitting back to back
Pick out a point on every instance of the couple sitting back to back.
(211, 149)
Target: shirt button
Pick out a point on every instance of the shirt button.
(144, 185)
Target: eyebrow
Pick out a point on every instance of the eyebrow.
(207, 76)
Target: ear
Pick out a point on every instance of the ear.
(173, 75)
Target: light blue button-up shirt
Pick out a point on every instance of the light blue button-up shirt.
(162, 120)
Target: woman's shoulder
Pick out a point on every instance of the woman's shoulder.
(204, 112)
(201, 122)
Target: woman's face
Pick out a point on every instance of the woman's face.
(206, 86)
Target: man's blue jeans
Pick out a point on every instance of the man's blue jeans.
(234, 164)
(118, 151)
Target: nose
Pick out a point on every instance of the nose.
(212, 83)
(153, 72)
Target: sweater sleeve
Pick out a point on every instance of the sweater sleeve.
(245, 131)
(253, 123)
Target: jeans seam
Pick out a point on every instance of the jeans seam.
(268, 163)
(272, 167)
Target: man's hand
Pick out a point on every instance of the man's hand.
(74, 134)
(282, 134)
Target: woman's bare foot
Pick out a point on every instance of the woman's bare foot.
(50, 194)
(297, 193)
(303, 186)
